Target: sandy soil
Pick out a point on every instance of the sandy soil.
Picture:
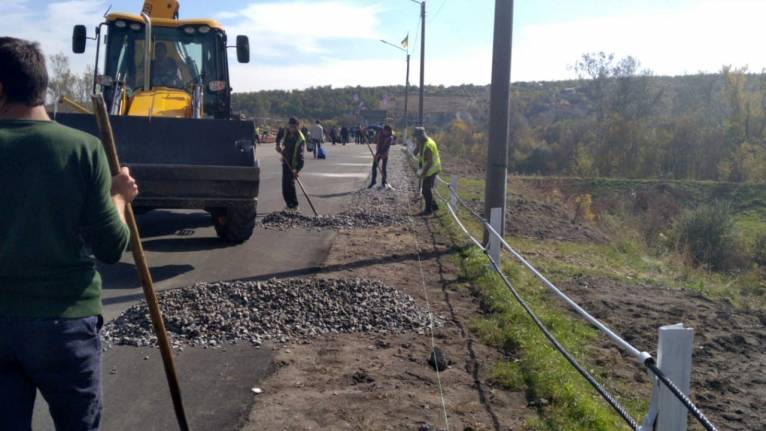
(377, 382)
(384, 382)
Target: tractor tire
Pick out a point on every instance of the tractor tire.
(235, 224)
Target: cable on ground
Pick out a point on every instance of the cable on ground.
(430, 319)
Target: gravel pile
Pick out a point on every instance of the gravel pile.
(367, 207)
(281, 311)
(359, 219)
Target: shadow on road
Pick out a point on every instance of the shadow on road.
(353, 265)
(161, 223)
(169, 245)
(333, 195)
(125, 275)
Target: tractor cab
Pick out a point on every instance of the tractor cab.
(182, 72)
(165, 81)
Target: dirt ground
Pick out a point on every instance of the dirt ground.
(536, 219)
(729, 360)
(384, 382)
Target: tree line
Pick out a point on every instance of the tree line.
(619, 120)
(616, 120)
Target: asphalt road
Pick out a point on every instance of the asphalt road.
(182, 248)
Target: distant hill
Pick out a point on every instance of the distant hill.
(705, 126)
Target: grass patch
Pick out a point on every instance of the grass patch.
(564, 400)
(626, 259)
(535, 367)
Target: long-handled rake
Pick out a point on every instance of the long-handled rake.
(298, 180)
(107, 139)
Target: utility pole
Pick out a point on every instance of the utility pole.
(499, 104)
(422, 59)
(406, 91)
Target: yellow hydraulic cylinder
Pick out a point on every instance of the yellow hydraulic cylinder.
(167, 9)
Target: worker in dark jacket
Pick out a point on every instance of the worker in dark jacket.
(383, 142)
(290, 144)
(59, 205)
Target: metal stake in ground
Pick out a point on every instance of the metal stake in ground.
(298, 180)
(107, 139)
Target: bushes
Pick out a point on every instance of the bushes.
(707, 236)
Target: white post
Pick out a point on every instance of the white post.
(674, 358)
(453, 194)
(495, 218)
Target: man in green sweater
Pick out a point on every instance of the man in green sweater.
(58, 204)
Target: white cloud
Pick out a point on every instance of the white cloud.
(288, 53)
(474, 67)
(52, 25)
(286, 30)
(701, 38)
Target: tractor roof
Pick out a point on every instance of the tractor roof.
(164, 22)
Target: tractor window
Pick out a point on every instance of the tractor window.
(182, 58)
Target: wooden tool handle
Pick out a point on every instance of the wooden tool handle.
(298, 180)
(107, 139)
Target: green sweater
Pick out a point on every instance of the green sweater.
(54, 199)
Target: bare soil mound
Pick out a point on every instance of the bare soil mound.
(548, 221)
(729, 363)
(533, 219)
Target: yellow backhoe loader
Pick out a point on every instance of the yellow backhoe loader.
(166, 84)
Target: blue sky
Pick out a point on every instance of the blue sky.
(296, 44)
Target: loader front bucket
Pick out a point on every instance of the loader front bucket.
(184, 163)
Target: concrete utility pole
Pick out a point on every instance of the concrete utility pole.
(422, 59)
(406, 90)
(499, 104)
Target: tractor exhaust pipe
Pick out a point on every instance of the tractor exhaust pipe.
(147, 51)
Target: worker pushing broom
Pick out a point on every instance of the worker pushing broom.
(290, 145)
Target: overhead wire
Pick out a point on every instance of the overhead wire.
(439, 9)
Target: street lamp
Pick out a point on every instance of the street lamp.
(406, 80)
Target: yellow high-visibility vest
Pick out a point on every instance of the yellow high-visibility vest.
(436, 165)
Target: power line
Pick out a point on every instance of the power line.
(439, 9)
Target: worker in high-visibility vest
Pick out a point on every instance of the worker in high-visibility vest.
(429, 165)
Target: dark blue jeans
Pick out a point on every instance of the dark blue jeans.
(61, 358)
